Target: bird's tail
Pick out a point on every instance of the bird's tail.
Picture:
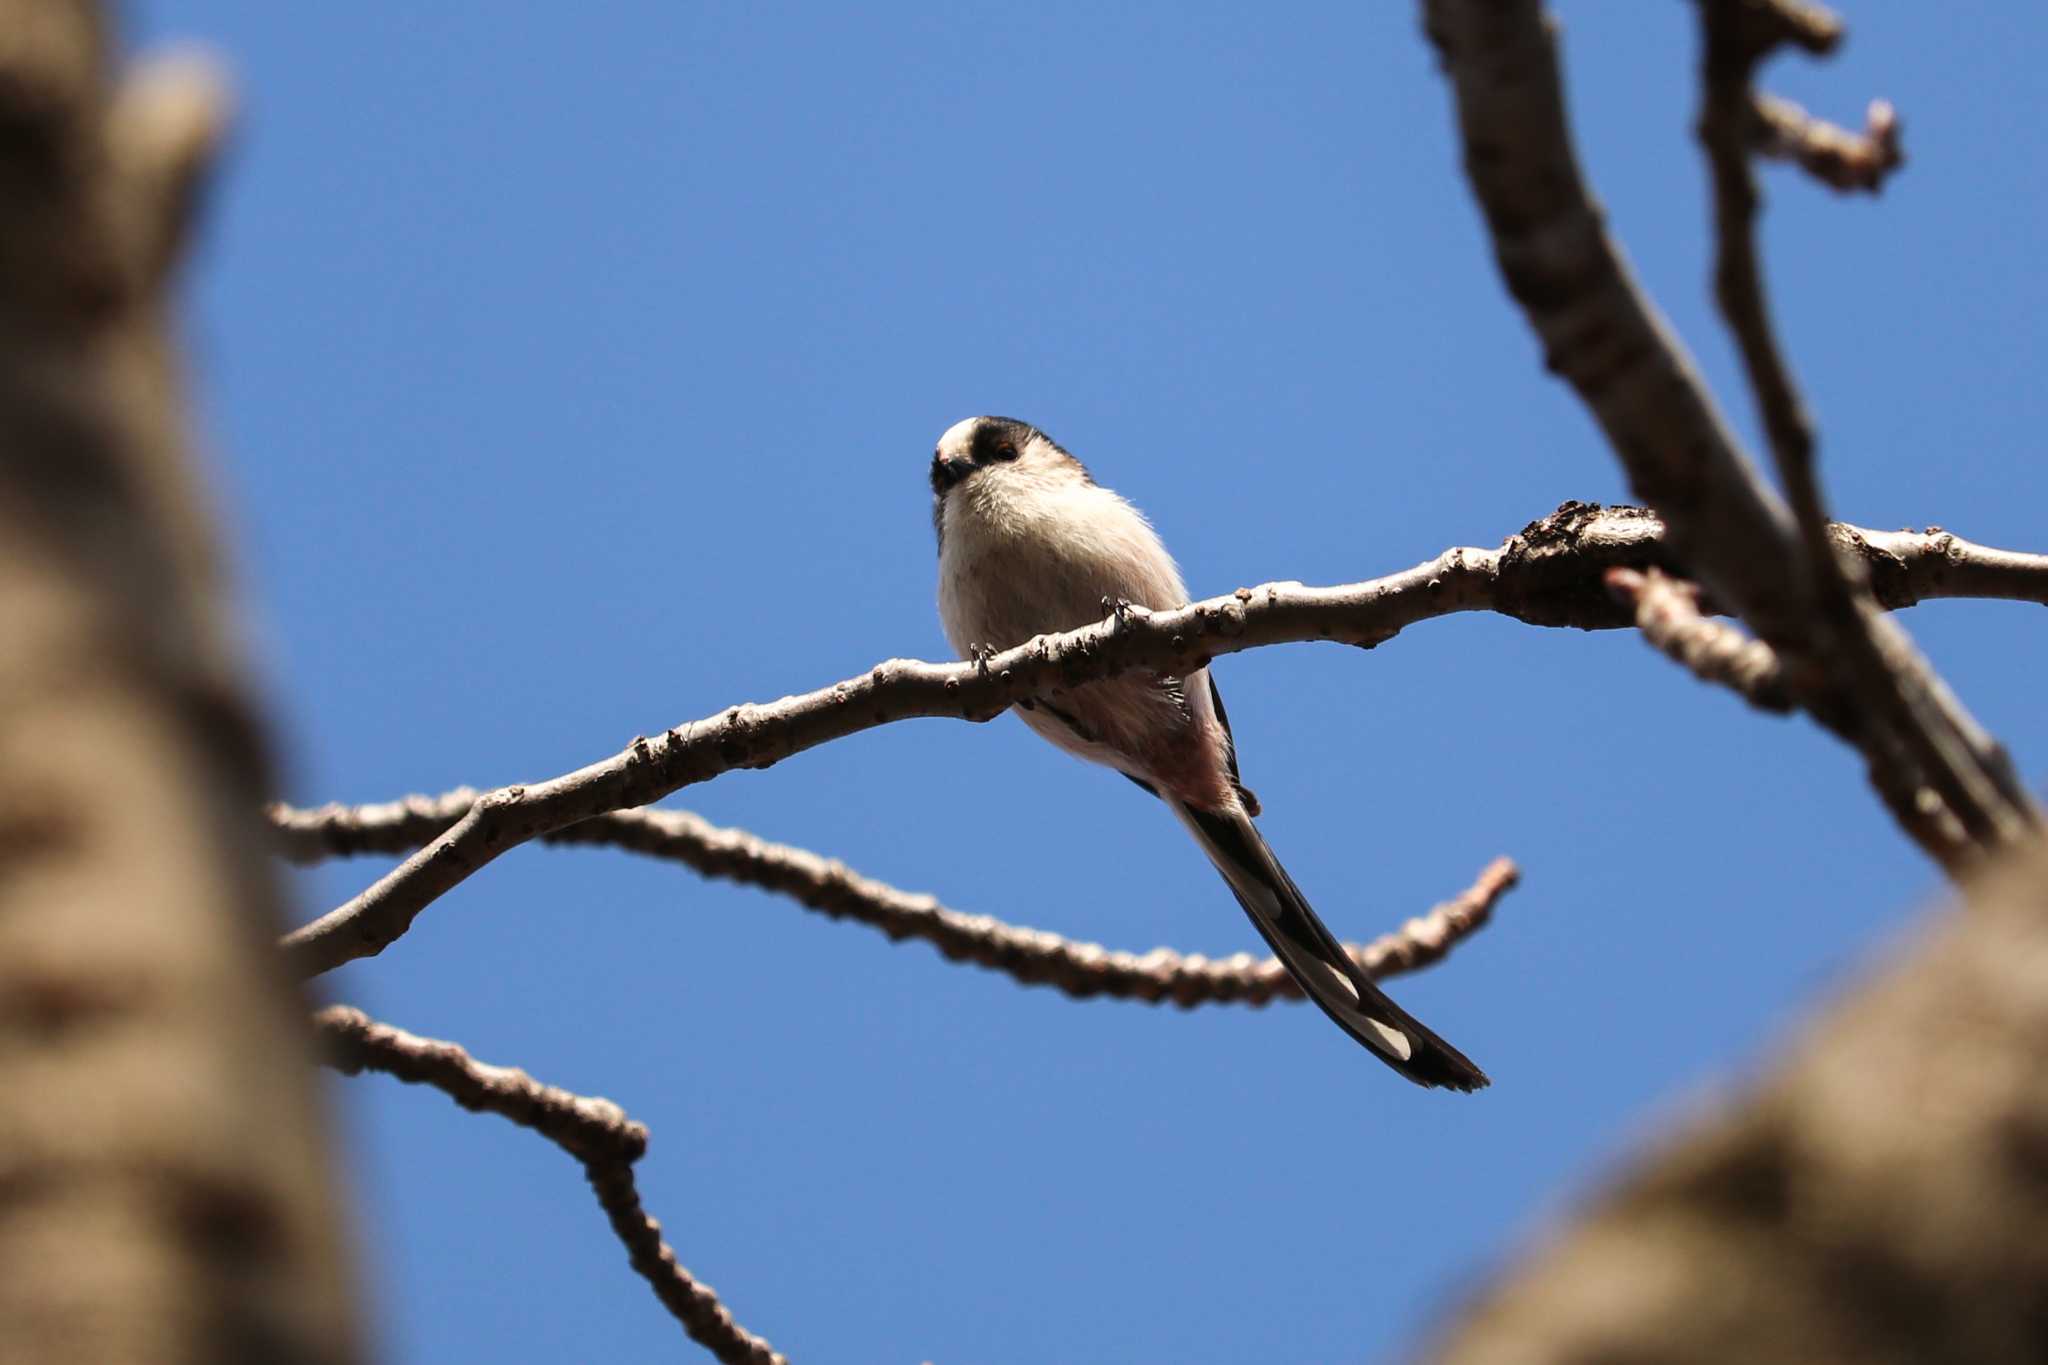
(1315, 958)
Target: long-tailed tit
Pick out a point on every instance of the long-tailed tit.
(1029, 544)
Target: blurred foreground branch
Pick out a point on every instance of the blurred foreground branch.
(1879, 1197)
(1668, 613)
(1923, 747)
(1830, 154)
(162, 1151)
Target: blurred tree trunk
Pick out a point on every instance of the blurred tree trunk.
(1882, 1197)
(162, 1149)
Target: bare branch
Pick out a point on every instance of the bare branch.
(1833, 155)
(1908, 567)
(587, 1128)
(1031, 956)
(1547, 575)
(594, 1131)
(1734, 43)
(1426, 941)
(1668, 613)
(1765, 24)
(1599, 331)
(690, 1300)
(1854, 674)
(1878, 1196)
(1907, 720)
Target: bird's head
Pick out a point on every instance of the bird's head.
(980, 444)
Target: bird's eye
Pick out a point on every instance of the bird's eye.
(1006, 451)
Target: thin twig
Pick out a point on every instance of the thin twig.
(1600, 332)
(1907, 722)
(1031, 956)
(1734, 43)
(594, 1131)
(1668, 612)
(1816, 29)
(1547, 575)
(1831, 154)
(586, 1127)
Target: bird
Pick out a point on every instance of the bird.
(1030, 544)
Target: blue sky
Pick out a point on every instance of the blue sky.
(569, 373)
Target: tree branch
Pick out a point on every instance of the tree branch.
(1908, 720)
(1909, 567)
(1668, 613)
(1735, 41)
(1599, 331)
(1030, 956)
(1602, 334)
(594, 1131)
(1833, 155)
(1547, 575)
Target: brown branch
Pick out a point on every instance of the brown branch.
(1909, 567)
(587, 1128)
(1030, 956)
(1668, 613)
(1833, 155)
(1878, 1196)
(1767, 23)
(594, 1131)
(1730, 532)
(1547, 575)
(1599, 331)
(1906, 721)
(1735, 41)
(1770, 23)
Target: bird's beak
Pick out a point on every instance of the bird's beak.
(948, 470)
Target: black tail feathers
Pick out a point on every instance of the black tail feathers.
(1316, 960)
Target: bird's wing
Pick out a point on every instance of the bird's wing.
(1244, 793)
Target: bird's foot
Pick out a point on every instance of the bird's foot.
(1121, 609)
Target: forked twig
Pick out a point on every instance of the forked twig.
(594, 1131)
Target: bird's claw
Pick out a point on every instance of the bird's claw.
(1122, 609)
(980, 654)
